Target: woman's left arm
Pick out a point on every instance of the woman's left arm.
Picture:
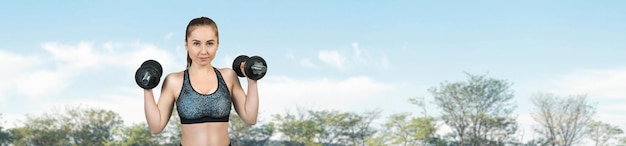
(246, 105)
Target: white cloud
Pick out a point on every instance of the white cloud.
(42, 82)
(139, 53)
(15, 65)
(127, 102)
(278, 94)
(608, 84)
(76, 56)
(36, 76)
(332, 58)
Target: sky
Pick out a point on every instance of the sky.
(343, 55)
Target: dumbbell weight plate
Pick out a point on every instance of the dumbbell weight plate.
(237, 64)
(154, 64)
(150, 70)
(255, 68)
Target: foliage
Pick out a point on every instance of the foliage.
(563, 120)
(601, 133)
(478, 110)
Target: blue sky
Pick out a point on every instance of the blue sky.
(343, 55)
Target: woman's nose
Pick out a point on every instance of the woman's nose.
(204, 49)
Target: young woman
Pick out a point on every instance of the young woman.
(202, 93)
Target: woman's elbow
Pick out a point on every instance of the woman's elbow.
(250, 122)
(155, 130)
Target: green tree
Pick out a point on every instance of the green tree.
(478, 110)
(342, 128)
(244, 134)
(326, 127)
(5, 136)
(42, 131)
(537, 141)
(89, 126)
(601, 133)
(72, 126)
(139, 134)
(359, 132)
(563, 120)
(334, 126)
(297, 129)
(401, 129)
(135, 135)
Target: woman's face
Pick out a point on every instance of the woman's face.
(202, 45)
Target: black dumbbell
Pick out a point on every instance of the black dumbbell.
(237, 64)
(255, 67)
(149, 74)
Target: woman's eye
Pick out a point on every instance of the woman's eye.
(210, 44)
(196, 43)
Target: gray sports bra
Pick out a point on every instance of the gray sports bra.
(194, 107)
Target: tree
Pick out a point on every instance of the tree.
(44, 130)
(336, 127)
(362, 130)
(297, 129)
(429, 124)
(601, 133)
(403, 130)
(73, 126)
(243, 134)
(342, 128)
(622, 141)
(135, 135)
(562, 120)
(5, 136)
(89, 126)
(537, 141)
(139, 134)
(478, 110)
(326, 127)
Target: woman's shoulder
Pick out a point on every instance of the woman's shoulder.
(225, 70)
(227, 73)
(175, 77)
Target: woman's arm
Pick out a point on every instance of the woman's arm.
(158, 114)
(246, 105)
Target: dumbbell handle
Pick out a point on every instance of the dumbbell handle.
(146, 78)
(258, 68)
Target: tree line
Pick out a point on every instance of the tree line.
(478, 112)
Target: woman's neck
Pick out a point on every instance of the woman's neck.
(197, 69)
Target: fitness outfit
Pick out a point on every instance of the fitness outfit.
(194, 107)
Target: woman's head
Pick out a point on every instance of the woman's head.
(201, 40)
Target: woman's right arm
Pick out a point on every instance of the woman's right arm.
(158, 114)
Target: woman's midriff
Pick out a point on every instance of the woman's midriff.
(205, 134)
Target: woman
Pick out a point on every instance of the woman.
(203, 94)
